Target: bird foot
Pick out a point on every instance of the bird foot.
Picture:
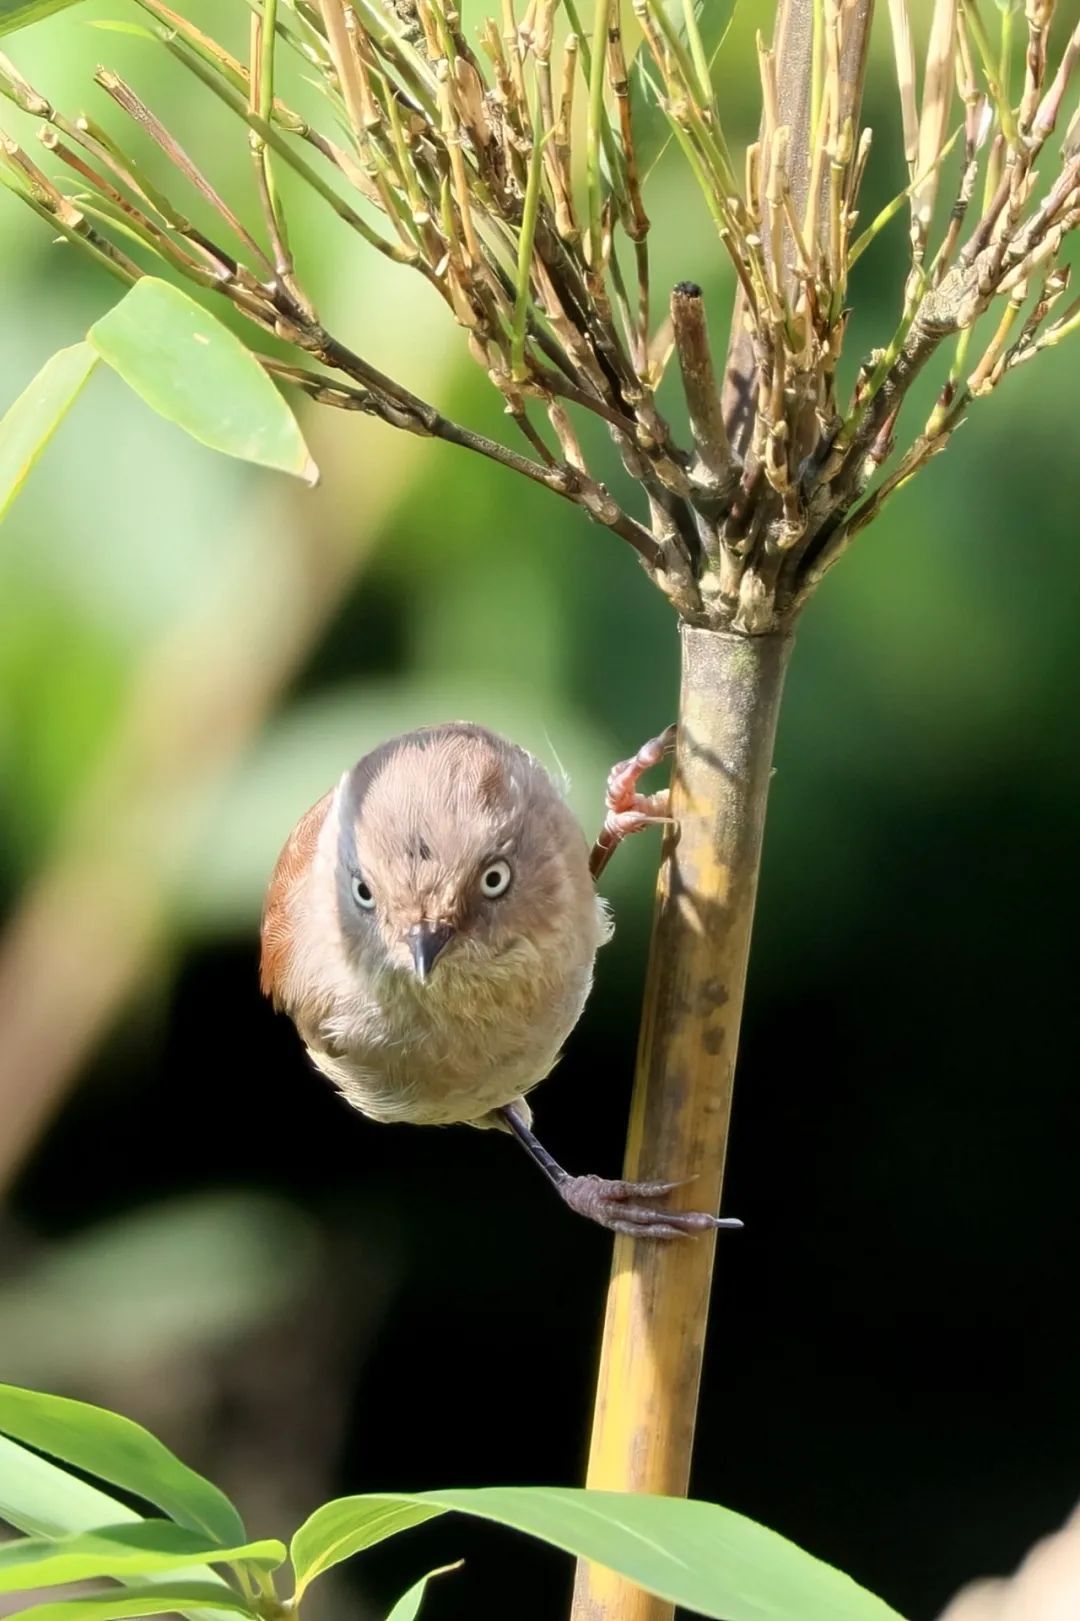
(627, 811)
(628, 1207)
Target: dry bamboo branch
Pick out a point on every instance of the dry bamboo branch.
(715, 469)
(937, 100)
(904, 52)
(792, 51)
(126, 98)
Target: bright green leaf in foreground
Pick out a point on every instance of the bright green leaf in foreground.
(191, 369)
(347, 1526)
(44, 1501)
(123, 1453)
(120, 1551)
(20, 13)
(408, 1605)
(34, 417)
(190, 1598)
(708, 1559)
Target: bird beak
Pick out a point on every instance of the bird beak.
(427, 941)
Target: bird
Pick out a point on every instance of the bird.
(430, 928)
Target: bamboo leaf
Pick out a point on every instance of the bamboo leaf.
(708, 1559)
(191, 369)
(188, 1597)
(348, 1525)
(39, 1498)
(110, 25)
(119, 1451)
(45, 1501)
(408, 1605)
(119, 1551)
(21, 13)
(30, 422)
(652, 129)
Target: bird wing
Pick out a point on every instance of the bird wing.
(292, 863)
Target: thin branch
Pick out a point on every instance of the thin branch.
(261, 78)
(396, 405)
(126, 98)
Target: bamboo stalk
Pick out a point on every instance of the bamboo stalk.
(646, 1402)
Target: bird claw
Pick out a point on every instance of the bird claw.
(627, 811)
(622, 795)
(626, 1207)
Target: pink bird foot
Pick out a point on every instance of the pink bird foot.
(627, 810)
(634, 1208)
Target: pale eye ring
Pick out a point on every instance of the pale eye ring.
(495, 880)
(361, 892)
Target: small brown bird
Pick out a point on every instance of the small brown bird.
(430, 928)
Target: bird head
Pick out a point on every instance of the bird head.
(448, 851)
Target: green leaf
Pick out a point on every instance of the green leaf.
(652, 131)
(20, 13)
(708, 1559)
(188, 1597)
(192, 370)
(31, 421)
(120, 1551)
(44, 1501)
(110, 26)
(123, 1453)
(347, 1526)
(408, 1605)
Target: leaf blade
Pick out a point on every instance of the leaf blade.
(32, 419)
(187, 1597)
(119, 1451)
(44, 1501)
(21, 13)
(348, 1525)
(408, 1605)
(119, 1551)
(708, 1559)
(191, 369)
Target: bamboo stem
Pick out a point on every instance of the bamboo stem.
(658, 1301)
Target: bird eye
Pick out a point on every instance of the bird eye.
(495, 880)
(362, 893)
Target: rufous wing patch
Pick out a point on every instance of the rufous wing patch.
(292, 863)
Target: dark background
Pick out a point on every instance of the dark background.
(304, 1303)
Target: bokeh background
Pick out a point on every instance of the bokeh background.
(196, 1231)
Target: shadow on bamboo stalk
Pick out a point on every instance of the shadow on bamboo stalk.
(657, 1305)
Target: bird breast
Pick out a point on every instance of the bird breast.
(480, 1033)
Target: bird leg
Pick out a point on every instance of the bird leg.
(627, 810)
(622, 1207)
